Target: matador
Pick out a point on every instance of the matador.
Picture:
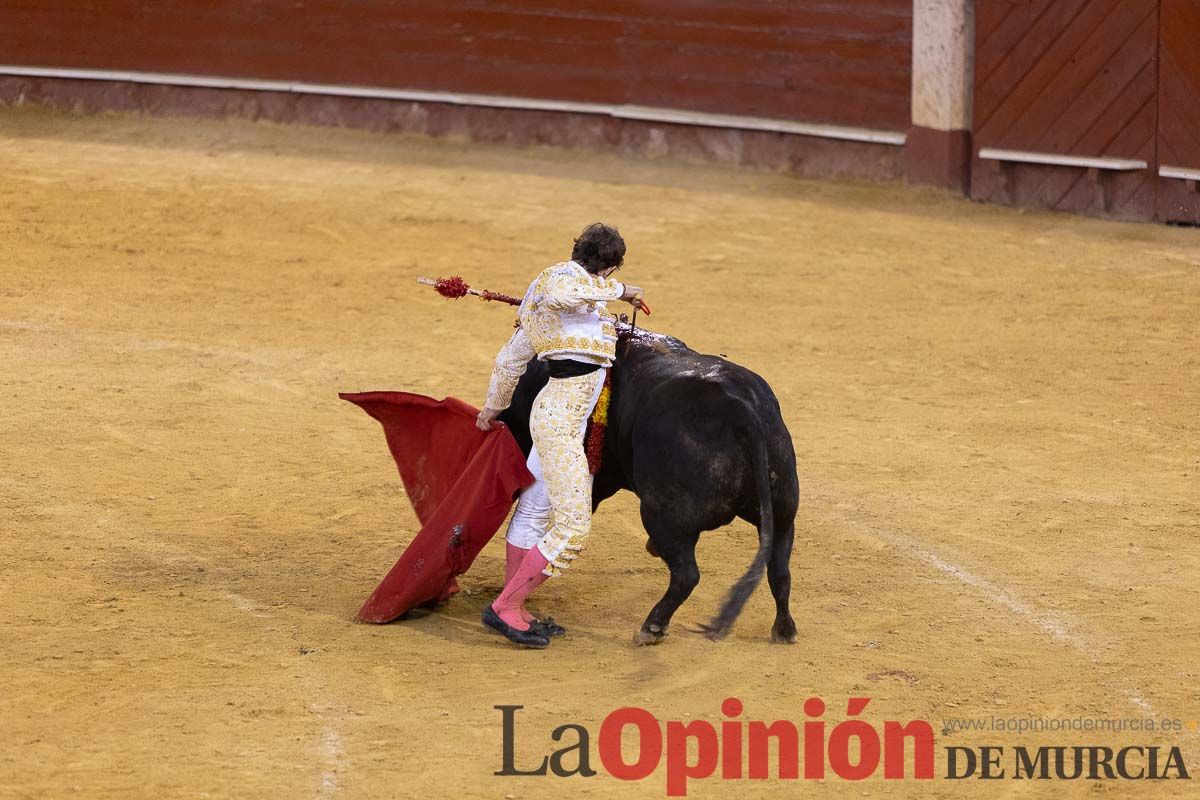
(564, 321)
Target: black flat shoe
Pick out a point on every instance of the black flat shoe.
(529, 638)
(548, 627)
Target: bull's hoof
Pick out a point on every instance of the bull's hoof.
(650, 635)
(783, 632)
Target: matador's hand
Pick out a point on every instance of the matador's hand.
(634, 296)
(486, 420)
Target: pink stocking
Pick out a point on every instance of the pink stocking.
(512, 560)
(529, 576)
(513, 556)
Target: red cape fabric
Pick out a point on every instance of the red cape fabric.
(461, 481)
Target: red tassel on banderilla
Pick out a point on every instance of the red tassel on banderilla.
(455, 287)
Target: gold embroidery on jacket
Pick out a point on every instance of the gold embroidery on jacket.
(563, 312)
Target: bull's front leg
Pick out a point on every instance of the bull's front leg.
(678, 550)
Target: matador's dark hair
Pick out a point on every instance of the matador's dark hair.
(599, 247)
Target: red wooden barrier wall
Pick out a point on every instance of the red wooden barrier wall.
(836, 61)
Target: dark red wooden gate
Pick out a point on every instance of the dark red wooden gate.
(1179, 112)
(1074, 82)
(1089, 105)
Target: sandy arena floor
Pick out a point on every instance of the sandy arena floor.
(995, 416)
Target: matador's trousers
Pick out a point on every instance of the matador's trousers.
(555, 513)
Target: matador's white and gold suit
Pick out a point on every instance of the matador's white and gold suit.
(563, 316)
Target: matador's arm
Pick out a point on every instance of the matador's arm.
(510, 366)
(569, 291)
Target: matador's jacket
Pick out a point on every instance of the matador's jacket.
(563, 315)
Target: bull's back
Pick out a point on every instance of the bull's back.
(698, 422)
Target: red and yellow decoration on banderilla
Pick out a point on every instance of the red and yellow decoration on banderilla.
(455, 287)
(597, 424)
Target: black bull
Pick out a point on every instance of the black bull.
(699, 440)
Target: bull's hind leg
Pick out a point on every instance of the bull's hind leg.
(678, 550)
(779, 576)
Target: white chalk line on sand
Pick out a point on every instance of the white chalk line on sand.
(1053, 624)
(331, 751)
(246, 604)
(23, 325)
(329, 747)
(272, 358)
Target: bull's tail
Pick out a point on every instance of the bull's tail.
(741, 591)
